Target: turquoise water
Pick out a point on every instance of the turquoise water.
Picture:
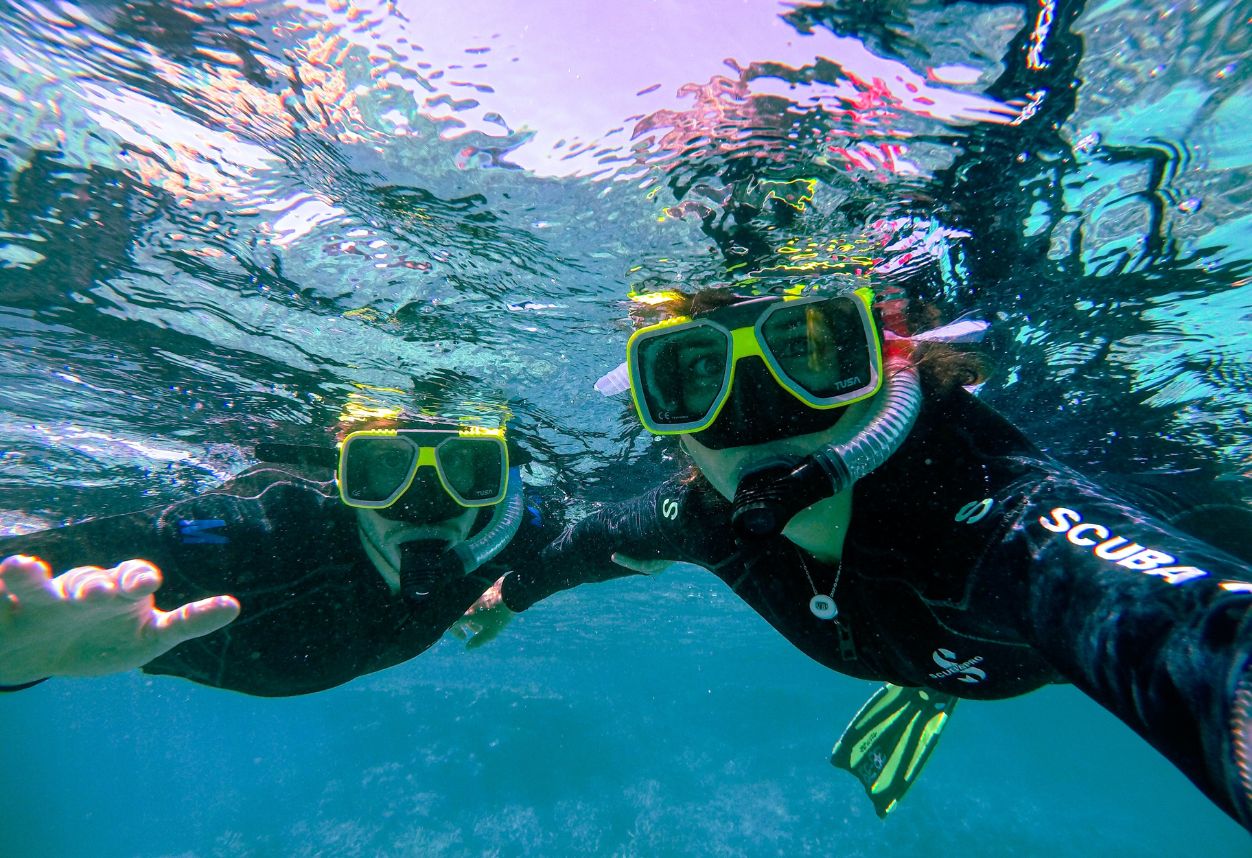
(702, 734)
(218, 221)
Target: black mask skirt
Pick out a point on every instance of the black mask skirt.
(425, 502)
(759, 411)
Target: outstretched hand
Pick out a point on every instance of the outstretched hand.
(91, 621)
(485, 619)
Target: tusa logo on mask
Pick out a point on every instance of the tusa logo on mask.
(1117, 549)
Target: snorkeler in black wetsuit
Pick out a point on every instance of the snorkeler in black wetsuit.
(328, 592)
(967, 562)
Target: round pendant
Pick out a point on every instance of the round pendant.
(823, 607)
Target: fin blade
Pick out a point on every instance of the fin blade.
(890, 739)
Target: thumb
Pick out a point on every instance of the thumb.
(647, 567)
(196, 620)
(489, 631)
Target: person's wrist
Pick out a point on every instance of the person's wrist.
(507, 583)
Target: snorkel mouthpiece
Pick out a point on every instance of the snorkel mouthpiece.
(424, 565)
(767, 498)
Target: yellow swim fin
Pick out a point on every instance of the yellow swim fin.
(890, 739)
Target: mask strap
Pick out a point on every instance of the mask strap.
(964, 331)
(615, 381)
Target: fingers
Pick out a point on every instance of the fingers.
(195, 620)
(486, 603)
(484, 636)
(489, 601)
(487, 627)
(489, 631)
(133, 580)
(475, 633)
(138, 579)
(647, 567)
(86, 584)
(23, 573)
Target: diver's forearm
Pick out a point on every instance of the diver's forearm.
(583, 553)
(100, 542)
(1154, 626)
(576, 557)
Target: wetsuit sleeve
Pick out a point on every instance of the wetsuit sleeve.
(231, 525)
(200, 545)
(1151, 623)
(641, 528)
(101, 542)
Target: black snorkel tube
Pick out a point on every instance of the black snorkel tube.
(426, 564)
(770, 496)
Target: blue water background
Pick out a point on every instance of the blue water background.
(221, 222)
(700, 732)
(574, 738)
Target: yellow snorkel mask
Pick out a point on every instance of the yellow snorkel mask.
(814, 354)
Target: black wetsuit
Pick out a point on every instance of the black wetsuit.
(315, 611)
(971, 565)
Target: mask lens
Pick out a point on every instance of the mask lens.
(473, 468)
(375, 470)
(682, 374)
(822, 347)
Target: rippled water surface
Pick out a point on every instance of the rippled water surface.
(218, 220)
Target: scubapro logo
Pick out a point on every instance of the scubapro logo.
(669, 508)
(1116, 549)
(964, 671)
(871, 767)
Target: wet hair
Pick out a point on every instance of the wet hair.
(404, 420)
(942, 366)
(680, 303)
